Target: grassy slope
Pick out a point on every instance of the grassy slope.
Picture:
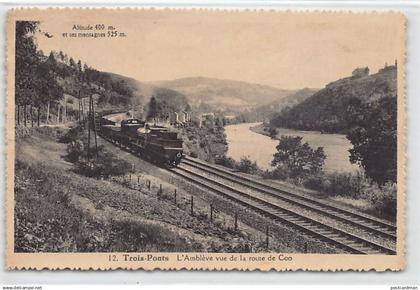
(84, 214)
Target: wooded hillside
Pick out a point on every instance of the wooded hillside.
(48, 86)
(328, 110)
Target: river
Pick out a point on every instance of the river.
(260, 148)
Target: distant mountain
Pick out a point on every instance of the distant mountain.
(327, 110)
(268, 111)
(223, 94)
(140, 89)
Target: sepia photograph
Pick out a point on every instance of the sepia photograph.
(139, 134)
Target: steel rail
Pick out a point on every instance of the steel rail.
(313, 227)
(283, 215)
(297, 199)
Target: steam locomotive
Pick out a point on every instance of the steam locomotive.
(154, 143)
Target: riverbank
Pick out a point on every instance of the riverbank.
(260, 129)
(244, 143)
(336, 146)
(339, 180)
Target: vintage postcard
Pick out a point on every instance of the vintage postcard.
(205, 139)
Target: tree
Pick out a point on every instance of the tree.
(298, 158)
(72, 63)
(79, 66)
(35, 78)
(26, 60)
(272, 131)
(51, 59)
(374, 138)
(47, 88)
(61, 55)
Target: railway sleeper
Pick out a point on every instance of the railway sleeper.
(306, 201)
(267, 211)
(330, 235)
(313, 228)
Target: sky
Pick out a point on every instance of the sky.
(287, 50)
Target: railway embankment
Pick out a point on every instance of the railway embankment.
(89, 214)
(134, 212)
(138, 211)
(282, 237)
(304, 211)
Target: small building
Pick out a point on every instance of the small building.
(206, 118)
(360, 72)
(389, 67)
(185, 117)
(180, 118)
(227, 119)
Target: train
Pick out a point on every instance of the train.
(157, 144)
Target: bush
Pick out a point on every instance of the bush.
(346, 184)
(72, 135)
(22, 132)
(101, 163)
(280, 172)
(226, 161)
(383, 199)
(272, 131)
(315, 182)
(74, 150)
(246, 165)
(105, 165)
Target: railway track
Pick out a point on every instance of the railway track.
(337, 237)
(369, 223)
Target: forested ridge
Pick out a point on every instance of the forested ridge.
(330, 109)
(46, 86)
(362, 107)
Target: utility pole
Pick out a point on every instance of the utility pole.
(89, 117)
(80, 107)
(91, 126)
(94, 126)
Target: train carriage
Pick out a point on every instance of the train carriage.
(154, 143)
